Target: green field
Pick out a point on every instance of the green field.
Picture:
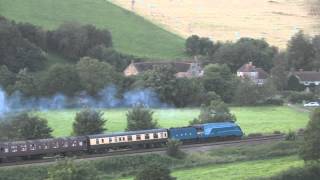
(131, 34)
(251, 119)
(237, 171)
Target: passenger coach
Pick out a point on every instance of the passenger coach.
(133, 139)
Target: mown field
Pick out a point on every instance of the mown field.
(131, 34)
(251, 119)
(239, 170)
(274, 20)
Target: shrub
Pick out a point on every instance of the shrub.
(154, 172)
(277, 102)
(291, 136)
(173, 149)
(299, 97)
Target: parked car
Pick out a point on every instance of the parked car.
(311, 104)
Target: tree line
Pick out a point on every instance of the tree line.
(94, 64)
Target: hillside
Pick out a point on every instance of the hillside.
(131, 34)
(274, 20)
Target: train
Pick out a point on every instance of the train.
(104, 143)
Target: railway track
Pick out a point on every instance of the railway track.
(188, 147)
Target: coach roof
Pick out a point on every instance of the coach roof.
(127, 133)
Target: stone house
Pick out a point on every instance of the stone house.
(307, 78)
(257, 75)
(183, 69)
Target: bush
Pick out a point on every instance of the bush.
(309, 172)
(154, 172)
(291, 136)
(277, 102)
(89, 121)
(299, 97)
(173, 149)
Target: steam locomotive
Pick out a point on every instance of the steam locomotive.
(99, 143)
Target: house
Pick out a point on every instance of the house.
(307, 78)
(183, 69)
(257, 75)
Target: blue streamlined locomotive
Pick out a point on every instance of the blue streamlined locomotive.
(114, 141)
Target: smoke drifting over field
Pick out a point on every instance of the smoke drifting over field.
(107, 98)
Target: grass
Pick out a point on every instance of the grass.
(251, 119)
(260, 159)
(240, 170)
(131, 34)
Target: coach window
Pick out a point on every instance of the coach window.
(2, 149)
(146, 136)
(74, 143)
(32, 147)
(81, 143)
(55, 145)
(102, 141)
(138, 137)
(23, 147)
(65, 144)
(14, 148)
(155, 135)
(97, 141)
(46, 146)
(129, 138)
(110, 140)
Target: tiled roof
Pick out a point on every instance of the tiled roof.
(179, 66)
(308, 75)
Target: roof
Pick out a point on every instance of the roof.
(262, 74)
(308, 75)
(126, 133)
(179, 66)
(44, 140)
(249, 67)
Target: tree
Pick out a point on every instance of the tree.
(217, 111)
(249, 93)
(89, 121)
(199, 46)
(190, 92)
(279, 72)
(300, 52)
(173, 148)
(111, 56)
(17, 52)
(139, 118)
(73, 40)
(294, 84)
(163, 81)
(61, 78)
(26, 83)
(244, 50)
(7, 78)
(192, 45)
(316, 47)
(67, 170)
(23, 127)
(218, 78)
(154, 172)
(311, 147)
(95, 75)
(34, 34)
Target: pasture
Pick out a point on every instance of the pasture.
(274, 20)
(251, 119)
(131, 34)
(238, 170)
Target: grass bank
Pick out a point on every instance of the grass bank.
(238, 162)
(131, 33)
(251, 119)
